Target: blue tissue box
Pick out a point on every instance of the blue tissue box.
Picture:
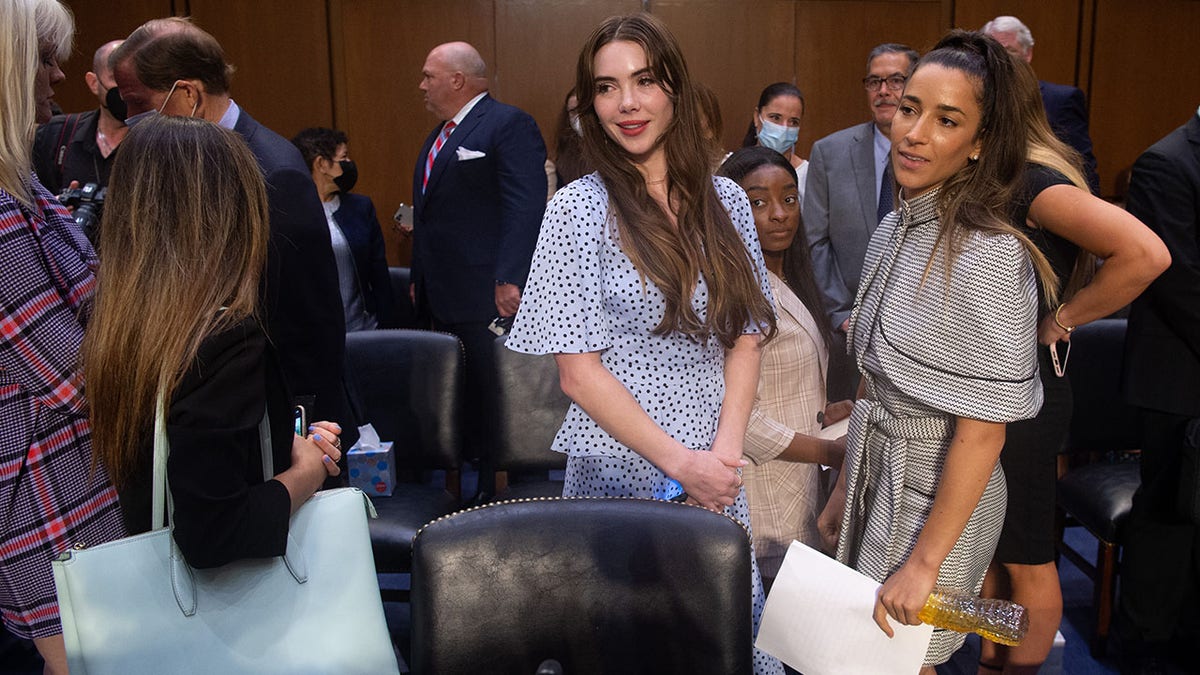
(373, 471)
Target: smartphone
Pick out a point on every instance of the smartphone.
(501, 325)
(301, 422)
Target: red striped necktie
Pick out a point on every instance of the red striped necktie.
(433, 152)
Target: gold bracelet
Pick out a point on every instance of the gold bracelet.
(1060, 323)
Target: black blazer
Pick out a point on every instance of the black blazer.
(356, 216)
(1162, 345)
(478, 221)
(301, 302)
(1066, 108)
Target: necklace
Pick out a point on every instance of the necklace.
(102, 141)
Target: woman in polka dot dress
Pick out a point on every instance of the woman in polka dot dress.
(649, 288)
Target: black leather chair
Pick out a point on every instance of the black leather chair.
(1098, 494)
(404, 307)
(528, 407)
(622, 586)
(409, 384)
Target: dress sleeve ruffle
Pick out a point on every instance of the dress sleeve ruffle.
(965, 342)
(562, 307)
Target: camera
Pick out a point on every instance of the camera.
(88, 205)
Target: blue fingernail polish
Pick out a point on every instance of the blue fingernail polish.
(316, 437)
(326, 459)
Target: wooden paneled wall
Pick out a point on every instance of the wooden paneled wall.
(355, 64)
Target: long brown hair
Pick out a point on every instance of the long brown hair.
(978, 197)
(184, 234)
(568, 150)
(1046, 149)
(704, 241)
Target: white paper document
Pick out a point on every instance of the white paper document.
(818, 621)
(835, 431)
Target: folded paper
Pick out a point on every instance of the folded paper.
(818, 620)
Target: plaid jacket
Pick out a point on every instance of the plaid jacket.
(50, 498)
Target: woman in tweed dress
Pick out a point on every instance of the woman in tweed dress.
(944, 333)
(50, 495)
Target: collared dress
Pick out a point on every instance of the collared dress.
(786, 497)
(585, 295)
(933, 345)
(52, 495)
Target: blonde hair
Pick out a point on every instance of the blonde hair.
(28, 24)
(1046, 149)
(184, 235)
(55, 26)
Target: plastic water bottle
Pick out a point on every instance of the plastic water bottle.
(672, 491)
(1000, 621)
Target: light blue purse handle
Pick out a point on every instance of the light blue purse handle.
(163, 509)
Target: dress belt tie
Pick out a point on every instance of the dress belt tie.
(870, 420)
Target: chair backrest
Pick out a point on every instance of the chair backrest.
(1101, 420)
(409, 385)
(600, 585)
(406, 314)
(528, 409)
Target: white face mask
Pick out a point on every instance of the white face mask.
(776, 136)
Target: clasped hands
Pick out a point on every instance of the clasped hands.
(323, 444)
(712, 478)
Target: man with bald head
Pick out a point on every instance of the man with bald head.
(80, 147)
(172, 67)
(479, 190)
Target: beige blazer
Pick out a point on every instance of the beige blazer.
(785, 497)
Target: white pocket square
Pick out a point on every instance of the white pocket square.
(465, 154)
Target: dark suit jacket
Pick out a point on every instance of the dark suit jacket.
(1066, 108)
(478, 221)
(224, 509)
(839, 213)
(356, 216)
(301, 302)
(1162, 345)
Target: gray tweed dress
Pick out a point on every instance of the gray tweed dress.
(953, 342)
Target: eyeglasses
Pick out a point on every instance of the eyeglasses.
(894, 82)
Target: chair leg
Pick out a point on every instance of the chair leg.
(1104, 598)
(454, 483)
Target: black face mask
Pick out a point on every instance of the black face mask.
(349, 177)
(115, 105)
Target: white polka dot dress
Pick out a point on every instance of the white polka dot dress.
(584, 295)
(952, 343)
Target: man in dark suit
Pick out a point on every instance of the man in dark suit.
(173, 67)
(1066, 107)
(848, 190)
(1159, 567)
(479, 191)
